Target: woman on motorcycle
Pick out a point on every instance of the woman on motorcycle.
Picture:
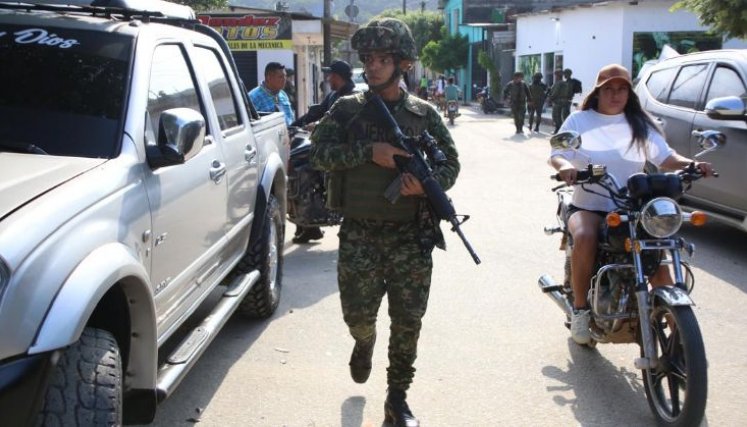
(619, 134)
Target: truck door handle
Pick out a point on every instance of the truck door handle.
(217, 171)
(250, 154)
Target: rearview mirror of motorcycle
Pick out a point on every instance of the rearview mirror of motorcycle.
(726, 108)
(709, 140)
(565, 140)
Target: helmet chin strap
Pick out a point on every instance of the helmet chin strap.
(392, 80)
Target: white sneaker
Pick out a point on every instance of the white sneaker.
(580, 327)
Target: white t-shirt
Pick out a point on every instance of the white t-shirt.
(440, 87)
(605, 140)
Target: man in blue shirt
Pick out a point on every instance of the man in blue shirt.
(269, 96)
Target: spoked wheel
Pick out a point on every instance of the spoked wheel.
(677, 388)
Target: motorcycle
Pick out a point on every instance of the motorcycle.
(633, 241)
(487, 103)
(307, 195)
(452, 108)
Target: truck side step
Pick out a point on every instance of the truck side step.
(181, 360)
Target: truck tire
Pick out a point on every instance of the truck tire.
(86, 387)
(265, 255)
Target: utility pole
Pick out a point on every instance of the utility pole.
(404, 7)
(327, 36)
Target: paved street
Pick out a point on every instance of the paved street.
(493, 349)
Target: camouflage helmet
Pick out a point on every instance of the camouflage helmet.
(387, 34)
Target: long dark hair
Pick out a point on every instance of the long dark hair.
(639, 120)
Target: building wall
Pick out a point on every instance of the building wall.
(591, 37)
(453, 18)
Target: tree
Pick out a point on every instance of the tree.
(448, 54)
(487, 63)
(203, 5)
(725, 17)
(425, 26)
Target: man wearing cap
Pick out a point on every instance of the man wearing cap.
(619, 134)
(560, 97)
(516, 93)
(339, 77)
(385, 247)
(269, 96)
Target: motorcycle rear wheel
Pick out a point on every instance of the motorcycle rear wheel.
(677, 388)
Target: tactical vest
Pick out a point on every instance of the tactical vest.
(517, 93)
(359, 192)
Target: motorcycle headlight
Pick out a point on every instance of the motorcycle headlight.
(661, 217)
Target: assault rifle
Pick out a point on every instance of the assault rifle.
(417, 166)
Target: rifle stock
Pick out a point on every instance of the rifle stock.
(419, 168)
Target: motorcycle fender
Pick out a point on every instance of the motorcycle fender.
(671, 295)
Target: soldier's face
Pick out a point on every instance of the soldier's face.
(379, 67)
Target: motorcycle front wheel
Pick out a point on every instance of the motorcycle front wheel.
(678, 387)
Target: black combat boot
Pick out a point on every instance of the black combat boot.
(360, 359)
(396, 410)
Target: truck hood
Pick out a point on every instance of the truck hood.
(24, 177)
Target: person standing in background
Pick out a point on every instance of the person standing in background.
(516, 93)
(537, 93)
(269, 96)
(560, 97)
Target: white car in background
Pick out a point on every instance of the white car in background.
(360, 84)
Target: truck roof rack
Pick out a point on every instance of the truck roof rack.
(129, 8)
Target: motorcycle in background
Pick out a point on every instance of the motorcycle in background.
(488, 104)
(452, 108)
(307, 195)
(634, 240)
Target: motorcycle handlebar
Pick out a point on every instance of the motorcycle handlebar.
(582, 175)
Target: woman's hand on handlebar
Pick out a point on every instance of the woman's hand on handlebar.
(568, 174)
(705, 168)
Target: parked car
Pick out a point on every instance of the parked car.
(136, 180)
(675, 92)
(360, 84)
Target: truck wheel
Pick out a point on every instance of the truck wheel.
(86, 387)
(266, 255)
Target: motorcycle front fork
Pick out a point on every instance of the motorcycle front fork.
(650, 360)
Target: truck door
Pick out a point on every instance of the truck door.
(237, 144)
(188, 201)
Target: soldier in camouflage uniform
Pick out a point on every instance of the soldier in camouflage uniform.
(516, 93)
(561, 93)
(385, 247)
(537, 93)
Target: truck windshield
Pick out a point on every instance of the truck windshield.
(62, 90)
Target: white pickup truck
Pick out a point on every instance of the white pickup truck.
(136, 179)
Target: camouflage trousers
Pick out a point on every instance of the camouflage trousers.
(377, 258)
(518, 112)
(534, 111)
(560, 111)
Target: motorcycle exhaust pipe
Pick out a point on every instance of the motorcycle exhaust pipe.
(550, 288)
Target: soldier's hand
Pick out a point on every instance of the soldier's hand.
(411, 186)
(383, 153)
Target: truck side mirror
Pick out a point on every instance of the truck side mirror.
(181, 135)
